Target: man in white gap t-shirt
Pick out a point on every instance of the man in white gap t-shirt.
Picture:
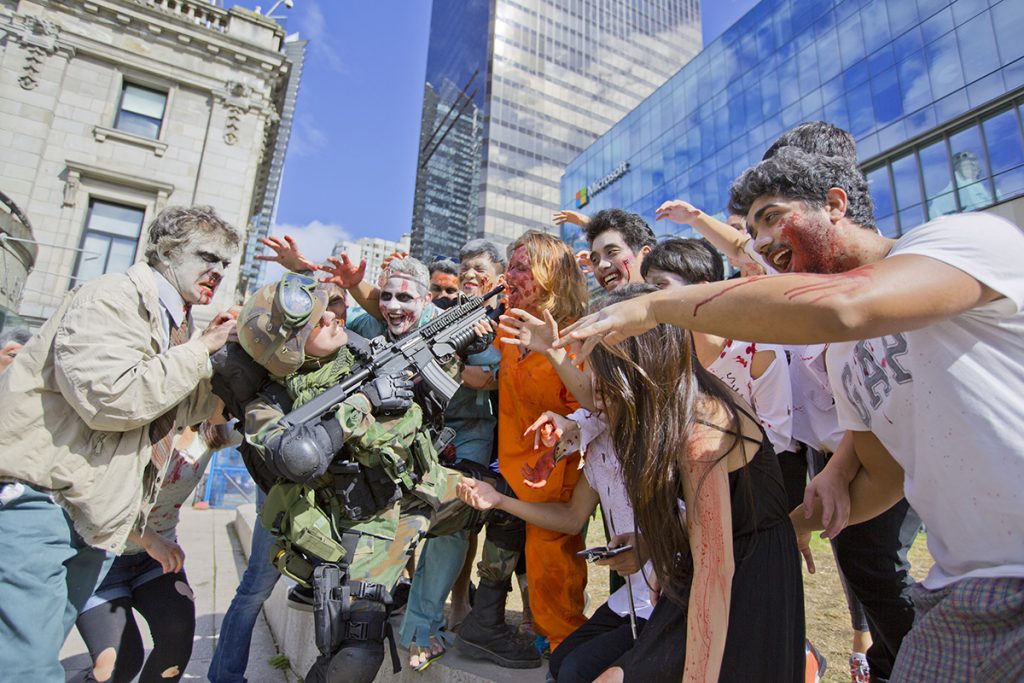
(927, 366)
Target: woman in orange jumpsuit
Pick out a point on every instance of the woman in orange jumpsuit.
(542, 276)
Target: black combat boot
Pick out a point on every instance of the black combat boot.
(484, 634)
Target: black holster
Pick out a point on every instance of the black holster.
(334, 621)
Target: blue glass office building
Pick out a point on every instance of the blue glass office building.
(932, 90)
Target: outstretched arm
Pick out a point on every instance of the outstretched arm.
(725, 238)
(530, 332)
(349, 276)
(287, 254)
(567, 518)
(900, 293)
(876, 487)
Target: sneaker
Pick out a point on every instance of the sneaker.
(300, 598)
(815, 666)
(860, 672)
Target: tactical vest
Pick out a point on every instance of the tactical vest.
(308, 520)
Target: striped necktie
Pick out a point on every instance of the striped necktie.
(161, 430)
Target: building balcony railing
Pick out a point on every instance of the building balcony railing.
(199, 12)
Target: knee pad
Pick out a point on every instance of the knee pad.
(356, 662)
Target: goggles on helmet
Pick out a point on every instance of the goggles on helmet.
(296, 301)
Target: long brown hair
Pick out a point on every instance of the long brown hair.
(554, 267)
(652, 386)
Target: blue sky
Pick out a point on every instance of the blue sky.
(350, 170)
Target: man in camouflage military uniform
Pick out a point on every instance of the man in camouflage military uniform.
(356, 491)
(404, 304)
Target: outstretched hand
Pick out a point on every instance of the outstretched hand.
(677, 211)
(477, 494)
(343, 272)
(549, 428)
(528, 331)
(567, 216)
(536, 476)
(286, 253)
(611, 324)
(833, 493)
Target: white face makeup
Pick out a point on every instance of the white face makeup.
(401, 303)
(197, 267)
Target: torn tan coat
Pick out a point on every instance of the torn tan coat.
(76, 405)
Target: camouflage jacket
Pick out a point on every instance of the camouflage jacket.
(400, 445)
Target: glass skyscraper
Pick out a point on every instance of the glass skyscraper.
(932, 90)
(515, 90)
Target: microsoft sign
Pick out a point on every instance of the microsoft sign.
(586, 192)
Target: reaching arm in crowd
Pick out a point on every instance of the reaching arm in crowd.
(737, 245)
(349, 276)
(876, 487)
(105, 372)
(287, 254)
(896, 294)
(527, 331)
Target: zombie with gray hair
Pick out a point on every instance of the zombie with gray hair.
(926, 337)
(88, 412)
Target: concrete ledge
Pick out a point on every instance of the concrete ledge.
(293, 631)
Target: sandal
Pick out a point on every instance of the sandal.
(431, 654)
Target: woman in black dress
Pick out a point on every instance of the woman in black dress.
(729, 564)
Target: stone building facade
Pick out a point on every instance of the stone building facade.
(111, 110)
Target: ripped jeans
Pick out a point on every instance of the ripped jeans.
(108, 626)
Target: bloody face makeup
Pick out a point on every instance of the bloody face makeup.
(522, 289)
(401, 303)
(477, 275)
(615, 263)
(444, 286)
(795, 238)
(197, 267)
(327, 337)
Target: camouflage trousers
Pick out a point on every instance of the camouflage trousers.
(389, 539)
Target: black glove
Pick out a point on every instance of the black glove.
(389, 395)
(480, 344)
(236, 378)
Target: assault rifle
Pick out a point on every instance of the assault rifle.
(421, 352)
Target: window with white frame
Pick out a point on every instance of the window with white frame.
(109, 241)
(141, 111)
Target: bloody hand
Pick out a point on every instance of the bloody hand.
(536, 477)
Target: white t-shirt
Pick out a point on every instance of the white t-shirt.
(947, 401)
(769, 395)
(603, 473)
(814, 409)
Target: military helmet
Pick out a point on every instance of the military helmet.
(277, 320)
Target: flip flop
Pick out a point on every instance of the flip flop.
(431, 656)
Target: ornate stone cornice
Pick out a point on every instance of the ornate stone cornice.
(39, 38)
(240, 99)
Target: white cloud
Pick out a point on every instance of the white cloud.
(316, 240)
(306, 138)
(312, 25)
